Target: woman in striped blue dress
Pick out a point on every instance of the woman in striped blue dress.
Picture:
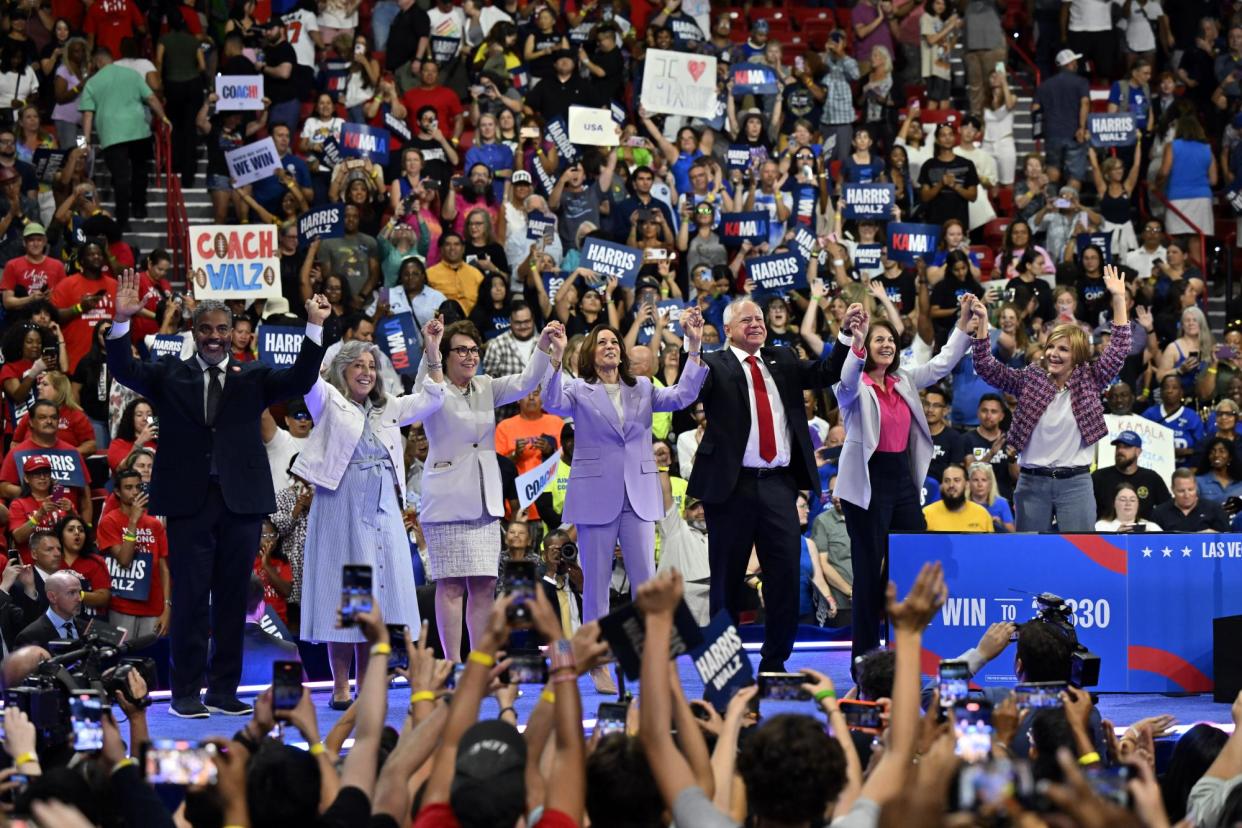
(355, 459)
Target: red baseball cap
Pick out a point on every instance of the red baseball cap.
(36, 462)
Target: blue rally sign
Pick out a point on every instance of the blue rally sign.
(736, 228)
(780, 273)
(868, 201)
(323, 223)
(609, 259)
(1114, 129)
(909, 242)
(721, 661)
(362, 141)
(279, 344)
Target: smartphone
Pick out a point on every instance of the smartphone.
(145, 487)
(972, 723)
(355, 592)
(799, 63)
(954, 682)
(478, 90)
(1112, 783)
(179, 762)
(610, 718)
(1226, 352)
(1192, 355)
(528, 132)
(20, 780)
(656, 254)
(635, 141)
(385, 294)
(399, 658)
(58, 491)
(360, 49)
(286, 684)
(454, 678)
(519, 582)
(50, 355)
(990, 785)
(459, 182)
(527, 666)
(1000, 66)
(86, 715)
(1037, 695)
(1232, 504)
(862, 716)
(783, 686)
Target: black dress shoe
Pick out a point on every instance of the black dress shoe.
(340, 704)
(229, 706)
(771, 666)
(188, 709)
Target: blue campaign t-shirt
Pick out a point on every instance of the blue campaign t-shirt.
(852, 172)
(269, 191)
(1139, 104)
(1186, 425)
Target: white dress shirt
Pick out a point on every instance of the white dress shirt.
(751, 458)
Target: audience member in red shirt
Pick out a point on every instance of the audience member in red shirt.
(429, 92)
(138, 428)
(81, 556)
(85, 299)
(74, 427)
(44, 418)
(274, 571)
(23, 349)
(137, 549)
(153, 286)
(243, 339)
(33, 276)
(108, 22)
(35, 508)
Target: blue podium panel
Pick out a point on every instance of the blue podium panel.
(1143, 603)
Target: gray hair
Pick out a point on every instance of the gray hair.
(350, 353)
(207, 306)
(735, 306)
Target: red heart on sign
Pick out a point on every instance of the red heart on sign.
(696, 68)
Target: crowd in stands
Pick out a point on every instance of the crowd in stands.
(475, 226)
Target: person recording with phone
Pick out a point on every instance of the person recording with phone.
(355, 458)
(614, 492)
(40, 505)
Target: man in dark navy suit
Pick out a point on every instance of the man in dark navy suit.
(754, 457)
(211, 482)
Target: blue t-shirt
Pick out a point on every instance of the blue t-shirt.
(1001, 511)
(1138, 104)
(853, 172)
(1186, 425)
(269, 191)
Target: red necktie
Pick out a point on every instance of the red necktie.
(763, 411)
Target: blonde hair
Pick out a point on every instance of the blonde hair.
(986, 468)
(64, 391)
(1207, 342)
(1080, 345)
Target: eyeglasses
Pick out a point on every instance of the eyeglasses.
(302, 415)
(463, 351)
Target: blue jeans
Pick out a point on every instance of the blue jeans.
(1070, 157)
(382, 16)
(1072, 499)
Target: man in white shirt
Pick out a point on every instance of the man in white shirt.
(1143, 259)
(480, 19)
(283, 444)
(448, 29)
(683, 546)
(302, 26)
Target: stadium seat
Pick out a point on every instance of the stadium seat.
(987, 259)
(994, 232)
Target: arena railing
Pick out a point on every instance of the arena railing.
(178, 223)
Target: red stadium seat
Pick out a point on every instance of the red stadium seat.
(994, 232)
(816, 31)
(987, 259)
(772, 14)
(804, 16)
(940, 116)
(1004, 200)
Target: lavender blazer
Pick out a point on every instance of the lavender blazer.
(614, 460)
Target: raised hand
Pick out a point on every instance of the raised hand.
(318, 309)
(926, 597)
(661, 594)
(433, 332)
(692, 326)
(1114, 281)
(128, 300)
(557, 340)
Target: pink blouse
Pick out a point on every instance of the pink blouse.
(894, 415)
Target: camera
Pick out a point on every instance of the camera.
(1055, 611)
(569, 552)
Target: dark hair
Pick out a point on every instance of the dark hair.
(792, 769)
(282, 785)
(449, 234)
(89, 547)
(15, 341)
(483, 310)
(875, 671)
(353, 320)
(38, 536)
(888, 326)
(621, 792)
(1235, 468)
(586, 356)
(347, 295)
(1193, 754)
(39, 404)
(123, 475)
(954, 257)
(464, 328)
(125, 428)
(1049, 731)
(1044, 652)
(521, 304)
(944, 393)
(1110, 508)
(992, 396)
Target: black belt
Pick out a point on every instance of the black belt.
(750, 471)
(1059, 473)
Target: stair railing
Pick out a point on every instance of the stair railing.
(178, 222)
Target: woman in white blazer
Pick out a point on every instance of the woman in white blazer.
(355, 458)
(887, 441)
(462, 502)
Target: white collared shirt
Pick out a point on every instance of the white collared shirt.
(751, 458)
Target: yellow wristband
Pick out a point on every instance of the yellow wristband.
(381, 649)
(422, 696)
(479, 657)
(317, 749)
(23, 758)
(1089, 758)
(548, 696)
(32, 521)
(124, 763)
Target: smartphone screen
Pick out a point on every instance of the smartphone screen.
(399, 658)
(58, 491)
(862, 716)
(972, 721)
(355, 592)
(954, 682)
(86, 715)
(1037, 695)
(286, 684)
(180, 762)
(526, 667)
(519, 581)
(783, 686)
(610, 718)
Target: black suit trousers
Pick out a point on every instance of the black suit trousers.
(894, 505)
(211, 555)
(761, 512)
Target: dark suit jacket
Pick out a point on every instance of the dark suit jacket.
(12, 619)
(41, 631)
(727, 405)
(549, 591)
(183, 463)
(30, 607)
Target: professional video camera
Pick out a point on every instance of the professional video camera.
(1054, 611)
(97, 662)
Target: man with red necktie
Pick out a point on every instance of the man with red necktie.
(754, 457)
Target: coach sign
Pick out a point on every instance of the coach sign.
(234, 261)
(239, 92)
(531, 484)
(679, 83)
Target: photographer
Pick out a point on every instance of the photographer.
(562, 579)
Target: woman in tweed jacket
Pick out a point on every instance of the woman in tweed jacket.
(1059, 416)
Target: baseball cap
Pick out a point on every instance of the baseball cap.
(36, 462)
(1067, 56)
(489, 785)
(1128, 438)
(760, 26)
(34, 229)
(646, 282)
(520, 177)
(276, 306)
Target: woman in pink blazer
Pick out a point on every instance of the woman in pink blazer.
(614, 485)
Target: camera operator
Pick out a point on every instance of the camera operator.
(60, 621)
(562, 580)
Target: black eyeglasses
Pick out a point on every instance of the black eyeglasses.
(464, 351)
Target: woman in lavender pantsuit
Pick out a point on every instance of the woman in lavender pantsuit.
(614, 485)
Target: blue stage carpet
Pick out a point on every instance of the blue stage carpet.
(1122, 709)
